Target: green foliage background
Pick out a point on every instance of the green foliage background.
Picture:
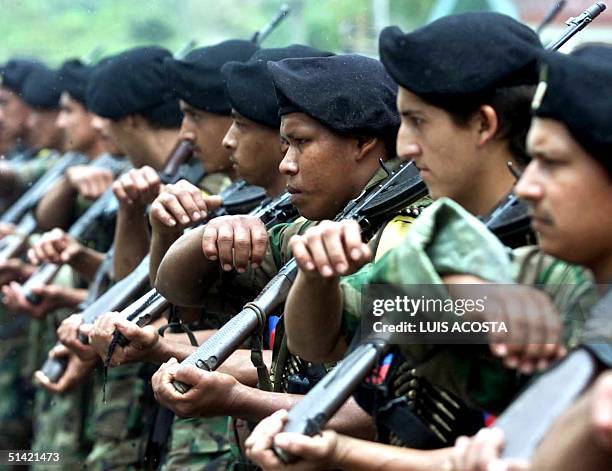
(54, 30)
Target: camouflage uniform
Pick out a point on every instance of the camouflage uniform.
(469, 374)
(15, 386)
(121, 425)
(254, 280)
(201, 443)
(58, 420)
(61, 420)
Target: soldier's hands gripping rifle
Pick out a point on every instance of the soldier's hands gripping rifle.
(20, 212)
(238, 198)
(311, 414)
(105, 208)
(528, 418)
(151, 305)
(370, 210)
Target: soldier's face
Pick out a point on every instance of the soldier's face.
(13, 116)
(320, 167)
(444, 152)
(255, 150)
(570, 195)
(102, 125)
(206, 131)
(75, 122)
(43, 131)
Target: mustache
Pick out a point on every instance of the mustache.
(540, 215)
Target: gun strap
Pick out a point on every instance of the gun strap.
(176, 325)
(263, 375)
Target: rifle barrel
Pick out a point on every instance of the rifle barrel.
(576, 24)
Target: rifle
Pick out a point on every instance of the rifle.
(21, 209)
(151, 305)
(528, 418)
(32, 196)
(551, 15)
(238, 199)
(310, 415)
(105, 207)
(263, 33)
(370, 209)
(576, 24)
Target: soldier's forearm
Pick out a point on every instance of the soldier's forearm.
(160, 244)
(185, 274)
(360, 455)
(255, 405)
(313, 317)
(86, 262)
(240, 366)
(56, 209)
(71, 297)
(131, 241)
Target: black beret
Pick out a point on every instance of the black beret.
(576, 90)
(348, 93)
(74, 77)
(42, 88)
(197, 78)
(15, 72)
(132, 82)
(461, 55)
(249, 86)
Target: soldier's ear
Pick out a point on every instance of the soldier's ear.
(487, 122)
(365, 145)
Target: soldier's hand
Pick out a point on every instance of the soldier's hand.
(15, 300)
(137, 188)
(535, 331)
(330, 249)
(6, 229)
(14, 269)
(142, 340)
(89, 181)
(236, 241)
(601, 410)
(55, 246)
(76, 371)
(181, 205)
(211, 394)
(482, 453)
(69, 333)
(317, 452)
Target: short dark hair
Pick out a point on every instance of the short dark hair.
(513, 108)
